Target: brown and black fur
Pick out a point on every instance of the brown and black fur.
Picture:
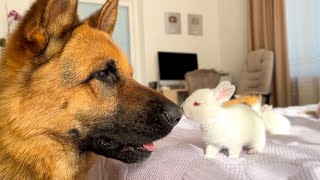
(67, 93)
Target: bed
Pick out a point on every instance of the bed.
(180, 156)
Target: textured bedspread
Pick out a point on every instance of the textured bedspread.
(180, 156)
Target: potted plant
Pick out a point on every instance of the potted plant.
(3, 42)
(12, 17)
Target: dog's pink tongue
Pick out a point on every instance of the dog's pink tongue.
(150, 147)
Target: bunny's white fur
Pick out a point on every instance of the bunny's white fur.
(232, 127)
(275, 122)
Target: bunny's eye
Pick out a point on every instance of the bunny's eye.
(196, 104)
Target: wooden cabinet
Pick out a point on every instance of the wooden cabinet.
(172, 94)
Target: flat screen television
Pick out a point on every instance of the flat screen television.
(174, 66)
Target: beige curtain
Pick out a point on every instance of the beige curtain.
(267, 29)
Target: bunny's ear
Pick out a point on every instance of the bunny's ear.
(266, 108)
(223, 93)
(223, 84)
(270, 107)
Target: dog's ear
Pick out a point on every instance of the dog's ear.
(105, 19)
(45, 26)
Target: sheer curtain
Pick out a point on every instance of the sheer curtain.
(303, 24)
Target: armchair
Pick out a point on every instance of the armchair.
(202, 78)
(256, 75)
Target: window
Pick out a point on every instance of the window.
(121, 34)
(303, 25)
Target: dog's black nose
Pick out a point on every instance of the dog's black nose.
(172, 113)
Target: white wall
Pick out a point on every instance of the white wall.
(19, 5)
(223, 45)
(233, 35)
(155, 38)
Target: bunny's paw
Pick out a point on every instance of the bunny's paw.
(253, 151)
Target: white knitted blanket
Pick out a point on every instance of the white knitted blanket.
(180, 156)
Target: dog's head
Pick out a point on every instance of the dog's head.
(66, 80)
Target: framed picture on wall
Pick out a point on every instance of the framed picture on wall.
(173, 23)
(195, 24)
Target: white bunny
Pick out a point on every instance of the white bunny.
(232, 127)
(275, 122)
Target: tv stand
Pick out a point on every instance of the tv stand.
(170, 89)
(172, 84)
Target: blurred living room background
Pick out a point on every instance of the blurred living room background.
(264, 47)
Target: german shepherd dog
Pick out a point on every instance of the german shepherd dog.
(67, 93)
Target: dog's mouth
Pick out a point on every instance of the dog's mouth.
(127, 136)
(128, 153)
(111, 145)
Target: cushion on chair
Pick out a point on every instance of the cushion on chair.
(257, 73)
(256, 58)
(202, 78)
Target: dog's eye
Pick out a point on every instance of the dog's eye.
(108, 75)
(102, 75)
(196, 104)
